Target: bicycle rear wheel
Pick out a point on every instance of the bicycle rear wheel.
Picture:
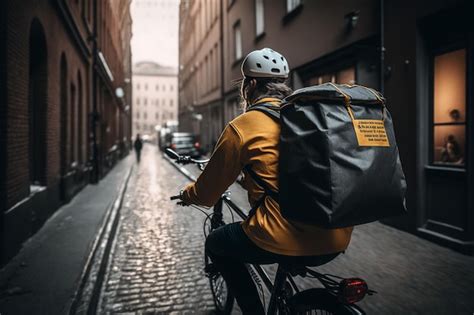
(223, 299)
(320, 301)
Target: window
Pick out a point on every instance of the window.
(343, 76)
(156, 116)
(145, 115)
(138, 114)
(145, 101)
(157, 87)
(292, 4)
(259, 17)
(449, 108)
(138, 101)
(171, 87)
(157, 102)
(237, 41)
(171, 103)
(146, 86)
(164, 87)
(138, 86)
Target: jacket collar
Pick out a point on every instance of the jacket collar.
(267, 100)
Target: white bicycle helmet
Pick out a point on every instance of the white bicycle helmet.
(265, 63)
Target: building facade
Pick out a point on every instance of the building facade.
(201, 69)
(62, 123)
(155, 97)
(419, 54)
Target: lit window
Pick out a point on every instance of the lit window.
(343, 76)
(237, 41)
(346, 76)
(259, 17)
(449, 108)
(292, 4)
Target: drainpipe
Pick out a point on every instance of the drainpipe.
(95, 113)
(221, 38)
(382, 47)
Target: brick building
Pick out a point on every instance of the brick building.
(155, 97)
(62, 123)
(425, 70)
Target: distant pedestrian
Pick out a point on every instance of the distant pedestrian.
(138, 144)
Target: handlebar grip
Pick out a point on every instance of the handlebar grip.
(175, 197)
(172, 154)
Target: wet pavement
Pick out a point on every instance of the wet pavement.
(157, 258)
(158, 254)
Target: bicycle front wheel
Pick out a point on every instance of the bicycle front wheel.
(320, 301)
(223, 299)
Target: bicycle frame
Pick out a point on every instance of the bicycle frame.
(277, 288)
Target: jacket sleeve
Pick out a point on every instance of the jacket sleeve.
(221, 171)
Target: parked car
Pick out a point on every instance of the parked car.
(185, 143)
(164, 134)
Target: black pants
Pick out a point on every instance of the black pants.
(230, 248)
(138, 153)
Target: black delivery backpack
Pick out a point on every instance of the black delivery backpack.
(339, 164)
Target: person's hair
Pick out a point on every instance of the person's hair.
(264, 88)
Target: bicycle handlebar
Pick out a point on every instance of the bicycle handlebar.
(183, 159)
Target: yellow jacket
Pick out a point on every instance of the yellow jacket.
(252, 138)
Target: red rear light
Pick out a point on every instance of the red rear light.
(352, 290)
(197, 144)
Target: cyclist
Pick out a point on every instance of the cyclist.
(265, 237)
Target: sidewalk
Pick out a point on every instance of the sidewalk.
(44, 276)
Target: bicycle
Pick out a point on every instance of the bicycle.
(338, 295)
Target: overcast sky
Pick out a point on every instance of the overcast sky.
(155, 31)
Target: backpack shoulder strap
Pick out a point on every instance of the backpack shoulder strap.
(271, 110)
(267, 190)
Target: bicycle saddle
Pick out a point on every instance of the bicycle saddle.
(298, 266)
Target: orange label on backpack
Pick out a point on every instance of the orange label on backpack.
(370, 133)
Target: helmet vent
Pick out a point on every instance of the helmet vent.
(266, 57)
(284, 67)
(259, 65)
(276, 70)
(282, 58)
(274, 61)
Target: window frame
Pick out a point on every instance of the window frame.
(294, 5)
(235, 27)
(259, 33)
(434, 52)
(291, 13)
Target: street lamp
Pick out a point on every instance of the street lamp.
(119, 92)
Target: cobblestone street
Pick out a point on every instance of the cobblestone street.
(158, 256)
(157, 260)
